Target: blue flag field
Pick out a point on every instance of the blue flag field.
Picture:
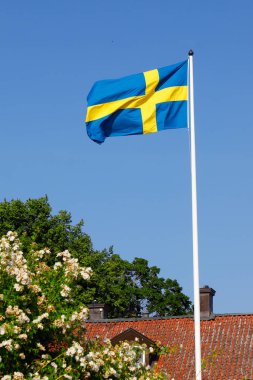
(142, 103)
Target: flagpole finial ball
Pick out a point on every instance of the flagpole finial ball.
(190, 52)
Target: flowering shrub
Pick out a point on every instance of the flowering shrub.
(42, 334)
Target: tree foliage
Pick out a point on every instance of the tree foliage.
(127, 287)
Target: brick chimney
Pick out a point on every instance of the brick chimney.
(98, 311)
(206, 302)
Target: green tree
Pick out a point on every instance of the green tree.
(160, 296)
(127, 287)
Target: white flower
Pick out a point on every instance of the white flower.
(41, 253)
(36, 376)
(75, 349)
(112, 371)
(41, 347)
(23, 336)
(16, 329)
(65, 291)
(18, 313)
(70, 351)
(40, 318)
(11, 235)
(81, 316)
(7, 344)
(41, 299)
(18, 376)
(35, 288)
(54, 365)
(94, 366)
(57, 265)
(64, 254)
(18, 287)
(2, 330)
(85, 275)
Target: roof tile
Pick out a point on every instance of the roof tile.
(227, 344)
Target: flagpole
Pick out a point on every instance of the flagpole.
(194, 223)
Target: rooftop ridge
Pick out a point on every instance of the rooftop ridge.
(232, 314)
(137, 319)
(189, 316)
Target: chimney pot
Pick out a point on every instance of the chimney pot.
(206, 301)
(98, 311)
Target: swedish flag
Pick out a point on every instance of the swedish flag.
(138, 104)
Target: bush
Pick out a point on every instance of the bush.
(42, 325)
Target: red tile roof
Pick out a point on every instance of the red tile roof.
(227, 343)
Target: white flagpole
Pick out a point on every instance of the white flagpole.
(194, 223)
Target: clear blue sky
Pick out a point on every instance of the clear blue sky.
(134, 192)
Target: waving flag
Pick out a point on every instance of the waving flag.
(138, 104)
